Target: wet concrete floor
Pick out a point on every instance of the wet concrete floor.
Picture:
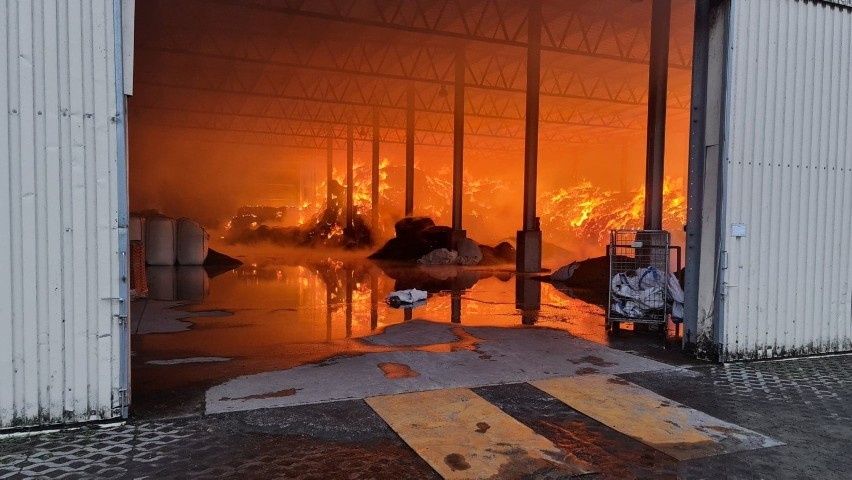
(298, 318)
(802, 403)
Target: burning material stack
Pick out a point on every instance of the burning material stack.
(327, 229)
(418, 239)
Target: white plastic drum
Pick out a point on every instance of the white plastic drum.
(160, 235)
(192, 242)
(137, 228)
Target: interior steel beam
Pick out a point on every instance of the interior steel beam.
(375, 180)
(350, 177)
(458, 147)
(553, 116)
(556, 91)
(656, 138)
(329, 168)
(529, 239)
(415, 25)
(318, 142)
(409, 151)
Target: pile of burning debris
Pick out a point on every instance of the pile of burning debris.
(328, 228)
(419, 239)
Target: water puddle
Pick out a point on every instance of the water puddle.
(308, 308)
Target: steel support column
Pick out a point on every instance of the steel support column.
(529, 239)
(350, 177)
(458, 150)
(329, 175)
(409, 152)
(657, 85)
(375, 180)
(695, 183)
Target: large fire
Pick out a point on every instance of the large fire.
(590, 212)
(575, 216)
(362, 195)
(583, 212)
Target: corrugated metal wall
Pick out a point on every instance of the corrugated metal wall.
(59, 242)
(788, 178)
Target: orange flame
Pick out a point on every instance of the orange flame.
(590, 213)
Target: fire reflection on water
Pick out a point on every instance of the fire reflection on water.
(323, 300)
(288, 312)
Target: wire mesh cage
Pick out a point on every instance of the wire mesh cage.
(638, 274)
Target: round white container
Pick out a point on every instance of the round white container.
(160, 244)
(192, 242)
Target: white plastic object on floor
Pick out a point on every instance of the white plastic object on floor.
(192, 242)
(407, 298)
(160, 240)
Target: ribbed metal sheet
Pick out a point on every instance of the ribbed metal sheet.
(59, 242)
(789, 180)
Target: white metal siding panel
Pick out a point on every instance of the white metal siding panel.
(789, 172)
(128, 29)
(59, 357)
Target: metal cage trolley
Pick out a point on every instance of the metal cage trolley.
(638, 278)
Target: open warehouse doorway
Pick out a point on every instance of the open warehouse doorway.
(255, 118)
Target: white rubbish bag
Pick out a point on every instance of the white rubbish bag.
(407, 298)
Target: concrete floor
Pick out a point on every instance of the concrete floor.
(299, 370)
(319, 328)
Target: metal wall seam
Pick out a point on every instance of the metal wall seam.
(106, 208)
(788, 175)
(58, 226)
(53, 189)
(123, 16)
(7, 323)
(846, 173)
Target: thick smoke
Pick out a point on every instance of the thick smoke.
(193, 153)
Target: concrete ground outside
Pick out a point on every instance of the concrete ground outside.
(801, 404)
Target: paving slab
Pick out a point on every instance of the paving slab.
(657, 421)
(462, 436)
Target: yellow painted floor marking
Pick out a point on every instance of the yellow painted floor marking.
(461, 435)
(654, 420)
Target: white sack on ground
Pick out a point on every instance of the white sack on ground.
(642, 292)
(407, 298)
(563, 274)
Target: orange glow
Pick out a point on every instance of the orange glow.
(590, 213)
(219, 126)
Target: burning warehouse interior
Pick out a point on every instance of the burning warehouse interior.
(425, 238)
(305, 137)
